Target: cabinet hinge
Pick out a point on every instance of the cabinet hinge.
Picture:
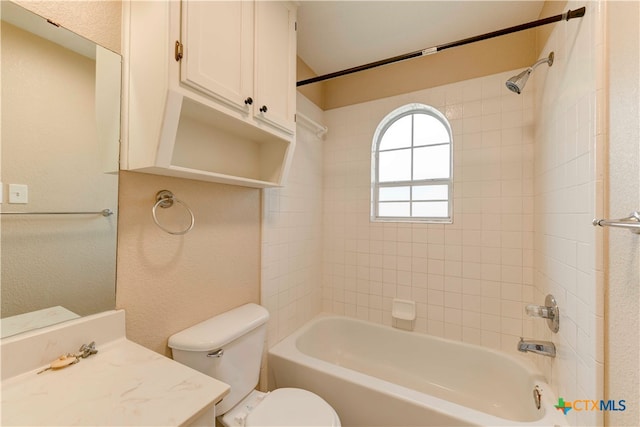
(296, 26)
(295, 118)
(178, 52)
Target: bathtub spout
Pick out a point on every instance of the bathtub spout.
(545, 348)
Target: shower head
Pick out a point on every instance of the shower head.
(516, 83)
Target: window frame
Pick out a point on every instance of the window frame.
(383, 126)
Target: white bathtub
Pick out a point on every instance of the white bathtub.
(375, 375)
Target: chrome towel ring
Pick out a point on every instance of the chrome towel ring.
(165, 199)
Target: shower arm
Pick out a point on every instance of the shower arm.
(548, 60)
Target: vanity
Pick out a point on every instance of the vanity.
(124, 384)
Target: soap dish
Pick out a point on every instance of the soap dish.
(403, 314)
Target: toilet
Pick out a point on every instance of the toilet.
(228, 347)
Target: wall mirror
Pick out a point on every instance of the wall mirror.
(60, 133)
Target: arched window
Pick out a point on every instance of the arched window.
(412, 166)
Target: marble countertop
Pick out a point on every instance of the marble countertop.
(124, 384)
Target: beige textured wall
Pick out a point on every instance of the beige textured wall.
(97, 20)
(167, 283)
(622, 373)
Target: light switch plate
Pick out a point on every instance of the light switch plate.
(18, 193)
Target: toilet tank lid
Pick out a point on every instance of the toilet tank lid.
(213, 333)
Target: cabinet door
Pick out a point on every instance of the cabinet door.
(275, 66)
(217, 39)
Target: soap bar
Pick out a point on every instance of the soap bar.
(63, 361)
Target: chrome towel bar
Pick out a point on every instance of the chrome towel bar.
(104, 212)
(632, 222)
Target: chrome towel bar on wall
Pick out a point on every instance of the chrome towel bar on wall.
(104, 212)
(632, 222)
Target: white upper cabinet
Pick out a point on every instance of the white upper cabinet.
(275, 72)
(210, 90)
(218, 42)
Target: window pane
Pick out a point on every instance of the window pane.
(428, 130)
(393, 209)
(431, 162)
(431, 192)
(393, 193)
(398, 135)
(394, 165)
(431, 209)
(412, 171)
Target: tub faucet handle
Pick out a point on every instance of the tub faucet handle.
(539, 311)
(549, 311)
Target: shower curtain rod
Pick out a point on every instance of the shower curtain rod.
(570, 14)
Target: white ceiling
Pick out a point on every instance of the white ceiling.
(335, 35)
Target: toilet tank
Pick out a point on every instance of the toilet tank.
(240, 334)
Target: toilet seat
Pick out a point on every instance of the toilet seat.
(285, 407)
(292, 407)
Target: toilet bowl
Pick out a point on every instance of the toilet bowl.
(229, 347)
(283, 407)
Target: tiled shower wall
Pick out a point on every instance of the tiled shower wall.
(568, 191)
(470, 279)
(292, 236)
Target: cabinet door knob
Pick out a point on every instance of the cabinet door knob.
(248, 101)
(263, 109)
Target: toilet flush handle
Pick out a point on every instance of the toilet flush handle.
(216, 353)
